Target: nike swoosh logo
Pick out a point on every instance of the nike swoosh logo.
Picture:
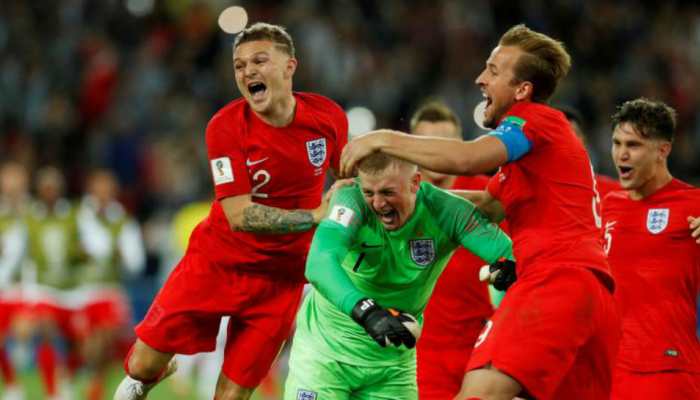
(249, 163)
(364, 245)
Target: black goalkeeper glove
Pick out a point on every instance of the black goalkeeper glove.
(505, 276)
(382, 324)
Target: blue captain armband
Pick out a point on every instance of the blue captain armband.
(510, 132)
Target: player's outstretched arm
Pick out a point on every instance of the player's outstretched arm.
(244, 215)
(448, 156)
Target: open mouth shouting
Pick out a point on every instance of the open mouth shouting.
(257, 91)
(625, 172)
(389, 218)
(487, 98)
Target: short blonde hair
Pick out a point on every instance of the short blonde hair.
(378, 162)
(264, 31)
(545, 62)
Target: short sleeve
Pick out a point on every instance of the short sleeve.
(341, 137)
(226, 159)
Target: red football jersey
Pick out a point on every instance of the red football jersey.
(459, 299)
(280, 167)
(552, 209)
(606, 184)
(656, 265)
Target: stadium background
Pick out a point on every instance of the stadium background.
(130, 84)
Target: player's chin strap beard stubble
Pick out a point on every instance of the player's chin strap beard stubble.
(263, 219)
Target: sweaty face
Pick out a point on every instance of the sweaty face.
(637, 159)
(496, 83)
(391, 194)
(444, 129)
(263, 74)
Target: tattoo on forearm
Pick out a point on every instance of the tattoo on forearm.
(263, 219)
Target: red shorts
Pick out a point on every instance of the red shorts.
(8, 310)
(440, 372)
(556, 332)
(107, 309)
(184, 317)
(629, 385)
(441, 366)
(68, 321)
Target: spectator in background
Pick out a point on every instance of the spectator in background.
(655, 260)
(111, 240)
(53, 257)
(14, 198)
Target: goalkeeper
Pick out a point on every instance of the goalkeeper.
(382, 247)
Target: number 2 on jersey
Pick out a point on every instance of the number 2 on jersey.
(260, 178)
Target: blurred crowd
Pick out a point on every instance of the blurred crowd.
(126, 87)
(129, 85)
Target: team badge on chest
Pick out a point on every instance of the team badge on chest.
(657, 219)
(316, 150)
(422, 251)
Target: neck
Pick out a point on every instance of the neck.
(281, 113)
(652, 186)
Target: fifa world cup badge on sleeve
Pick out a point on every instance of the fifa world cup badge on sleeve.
(221, 170)
(341, 215)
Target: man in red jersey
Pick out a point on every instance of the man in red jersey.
(604, 183)
(269, 153)
(460, 304)
(654, 259)
(555, 334)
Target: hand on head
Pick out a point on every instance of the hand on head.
(357, 149)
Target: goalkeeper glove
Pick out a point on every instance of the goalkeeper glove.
(502, 273)
(383, 325)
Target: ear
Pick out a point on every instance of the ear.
(664, 150)
(524, 91)
(415, 181)
(290, 68)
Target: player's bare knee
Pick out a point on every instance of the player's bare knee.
(226, 389)
(489, 384)
(146, 363)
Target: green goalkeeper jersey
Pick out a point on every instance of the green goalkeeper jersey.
(353, 256)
